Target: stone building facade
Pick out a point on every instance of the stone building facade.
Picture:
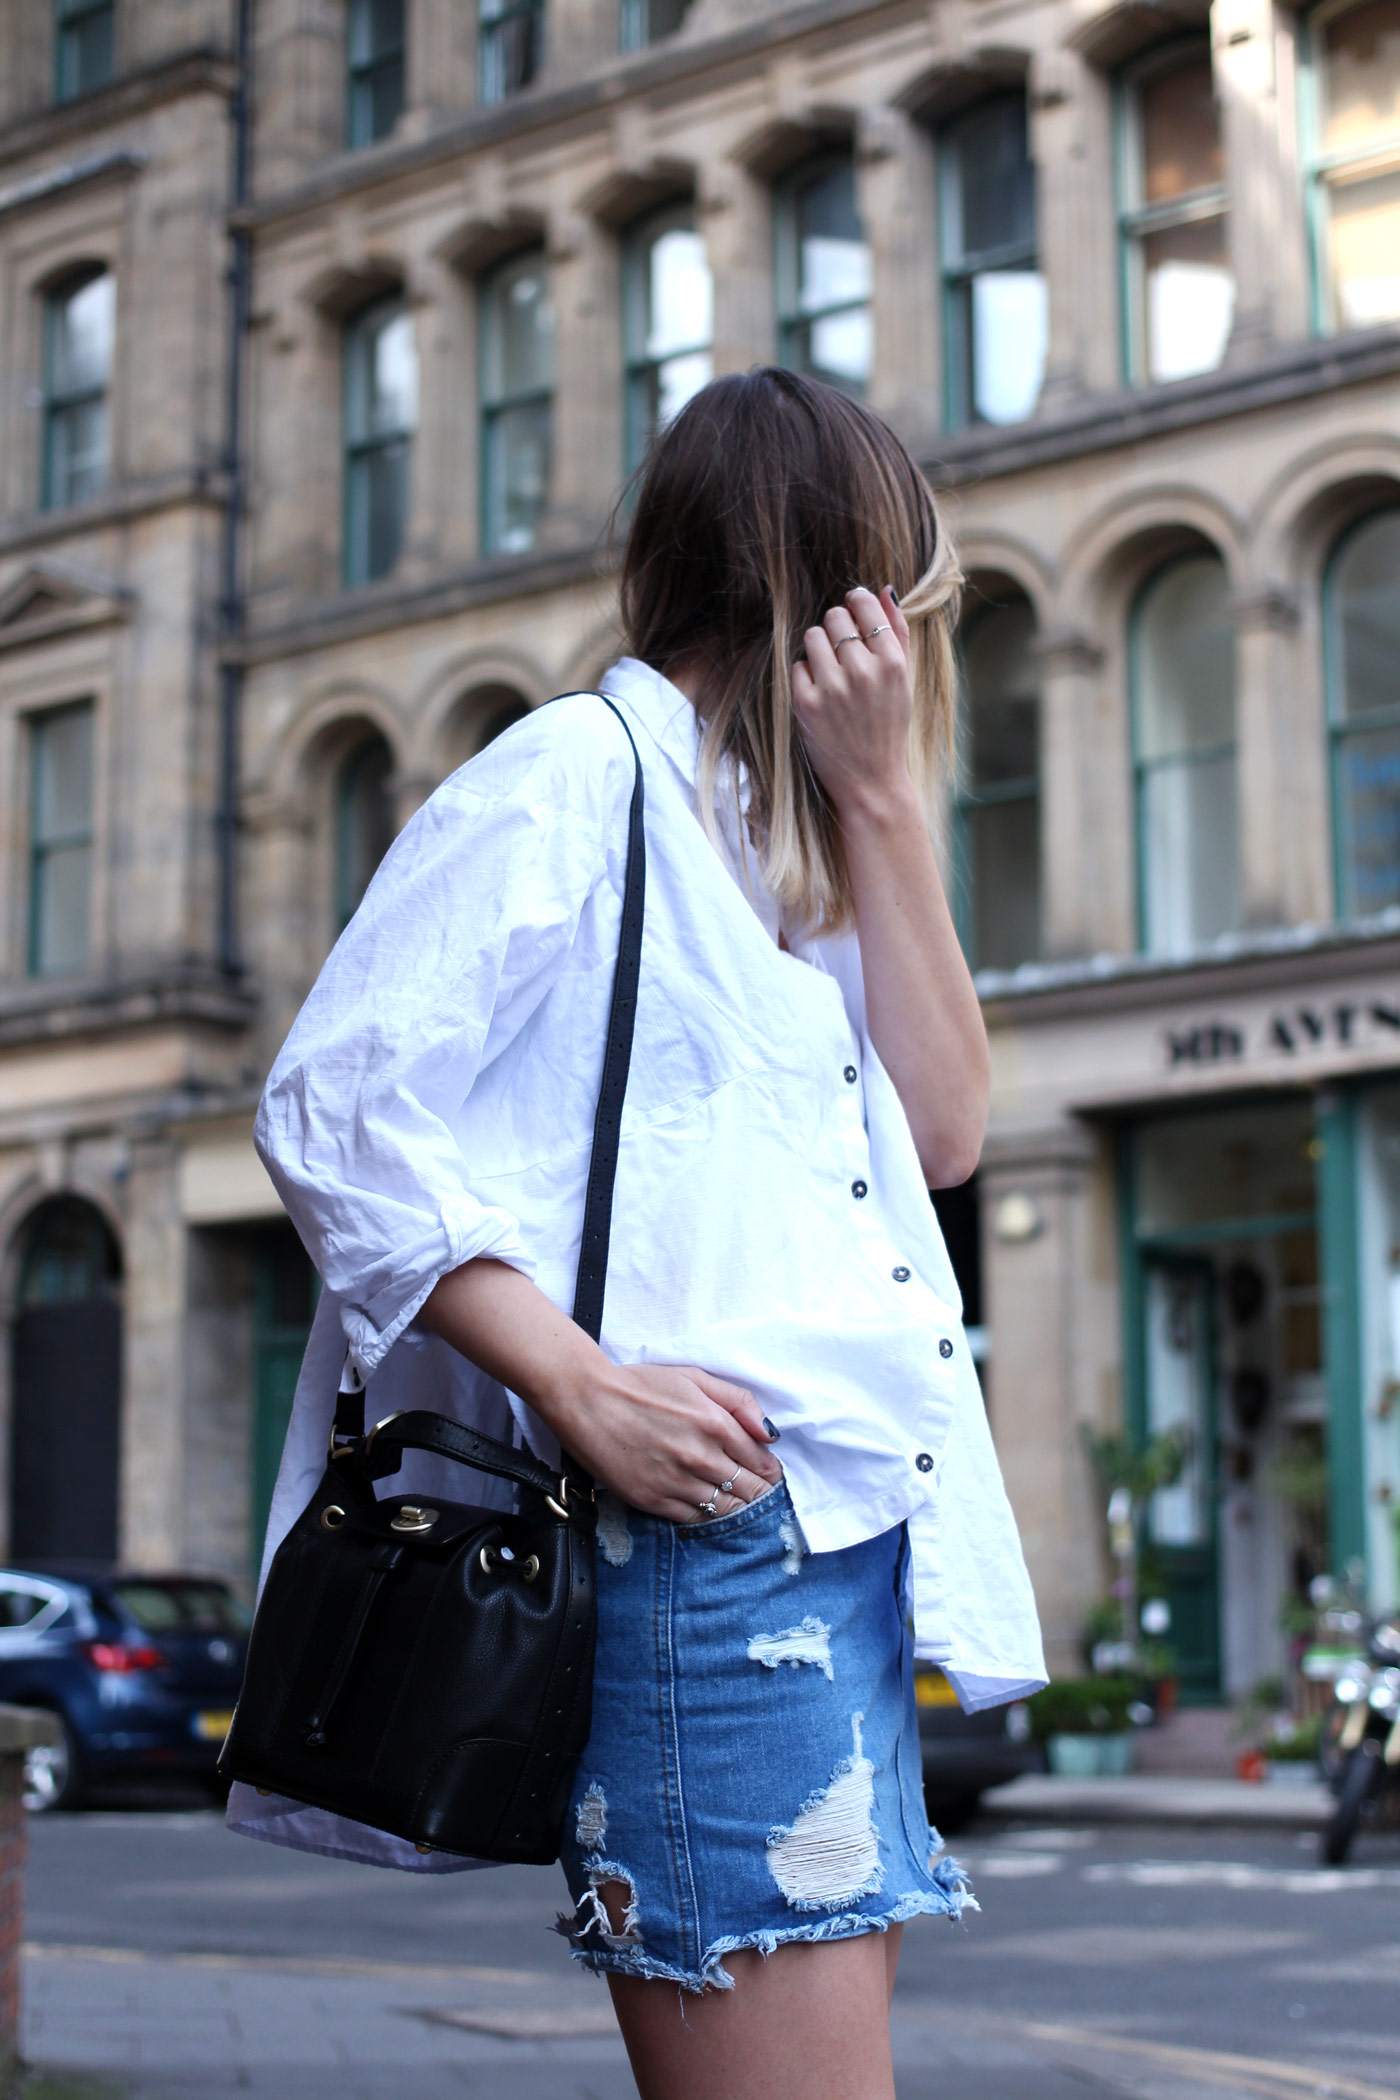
(1125, 278)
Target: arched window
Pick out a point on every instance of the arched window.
(1361, 631)
(668, 321)
(374, 85)
(1178, 293)
(644, 22)
(1351, 129)
(997, 812)
(84, 46)
(823, 274)
(381, 416)
(1182, 686)
(79, 333)
(66, 1385)
(994, 299)
(517, 402)
(364, 822)
(478, 718)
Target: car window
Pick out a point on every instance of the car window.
(180, 1607)
(18, 1607)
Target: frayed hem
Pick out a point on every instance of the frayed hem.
(950, 1896)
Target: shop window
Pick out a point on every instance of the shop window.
(79, 333)
(644, 22)
(84, 46)
(1351, 129)
(60, 839)
(510, 47)
(375, 70)
(1182, 680)
(364, 822)
(823, 275)
(997, 809)
(668, 322)
(381, 414)
(1361, 629)
(995, 316)
(1178, 294)
(517, 402)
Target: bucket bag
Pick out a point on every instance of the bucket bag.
(426, 1667)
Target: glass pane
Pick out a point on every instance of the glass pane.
(995, 180)
(365, 821)
(62, 773)
(393, 400)
(1190, 298)
(839, 348)
(68, 1254)
(1010, 333)
(81, 338)
(180, 1607)
(1368, 787)
(678, 293)
(1004, 871)
(1205, 1167)
(1364, 250)
(376, 30)
(1003, 688)
(520, 330)
(86, 53)
(1360, 76)
(1364, 588)
(833, 259)
(62, 877)
(77, 452)
(518, 471)
(1185, 659)
(1179, 132)
(385, 498)
(1177, 1337)
(676, 380)
(1189, 817)
(510, 48)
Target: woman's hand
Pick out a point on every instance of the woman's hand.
(663, 1437)
(854, 702)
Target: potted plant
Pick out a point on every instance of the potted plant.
(1156, 1664)
(1292, 1749)
(1086, 1724)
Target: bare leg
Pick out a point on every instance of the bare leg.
(894, 1940)
(810, 2018)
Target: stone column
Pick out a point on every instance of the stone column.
(734, 216)
(1071, 142)
(154, 1522)
(1281, 757)
(441, 57)
(443, 527)
(1086, 846)
(586, 275)
(1265, 228)
(896, 192)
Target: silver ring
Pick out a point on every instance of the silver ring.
(707, 1509)
(853, 636)
(726, 1487)
(883, 628)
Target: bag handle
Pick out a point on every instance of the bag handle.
(471, 1446)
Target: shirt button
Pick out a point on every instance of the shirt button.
(924, 1462)
(859, 1188)
(850, 1075)
(945, 1347)
(901, 1274)
(355, 1379)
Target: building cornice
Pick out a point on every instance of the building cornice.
(35, 1011)
(207, 70)
(119, 165)
(130, 500)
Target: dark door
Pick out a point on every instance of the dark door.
(1182, 1521)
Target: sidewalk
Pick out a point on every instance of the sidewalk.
(1152, 1797)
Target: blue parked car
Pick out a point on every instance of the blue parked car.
(140, 1670)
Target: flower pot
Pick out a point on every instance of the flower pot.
(1291, 1771)
(1089, 1756)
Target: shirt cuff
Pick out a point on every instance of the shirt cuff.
(465, 1230)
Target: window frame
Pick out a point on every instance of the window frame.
(70, 17)
(356, 450)
(41, 847)
(1133, 220)
(634, 32)
(791, 319)
(490, 32)
(958, 267)
(1024, 788)
(492, 407)
(373, 745)
(1318, 167)
(360, 74)
(1338, 728)
(638, 239)
(57, 405)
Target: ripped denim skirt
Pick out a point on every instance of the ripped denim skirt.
(753, 1774)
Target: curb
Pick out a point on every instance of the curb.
(1205, 1803)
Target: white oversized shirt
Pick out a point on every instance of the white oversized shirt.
(434, 1102)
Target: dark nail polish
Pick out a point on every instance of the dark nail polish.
(769, 1427)
(893, 592)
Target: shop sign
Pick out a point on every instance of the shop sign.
(1290, 1031)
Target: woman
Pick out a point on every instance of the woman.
(797, 1489)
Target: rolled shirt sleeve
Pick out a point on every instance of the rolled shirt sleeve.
(458, 937)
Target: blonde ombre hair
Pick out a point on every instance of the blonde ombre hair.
(764, 501)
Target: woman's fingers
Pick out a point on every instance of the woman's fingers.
(871, 613)
(747, 1440)
(890, 609)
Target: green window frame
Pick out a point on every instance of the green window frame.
(1174, 786)
(380, 421)
(84, 47)
(60, 839)
(668, 356)
(517, 401)
(996, 807)
(1363, 741)
(510, 47)
(1180, 232)
(810, 314)
(79, 328)
(1331, 173)
(994, 295)
(364, 822)
(375, 70)
(642, 23)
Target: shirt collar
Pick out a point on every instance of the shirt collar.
(669, 717)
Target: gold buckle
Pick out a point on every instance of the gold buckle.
(380, 1424)
(334, 1450)
(559, 1504)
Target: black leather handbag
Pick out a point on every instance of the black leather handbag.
(427, 1667)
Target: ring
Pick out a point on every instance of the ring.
(853, 636)
(883, 628)
(707, 1508)
(726, 1487)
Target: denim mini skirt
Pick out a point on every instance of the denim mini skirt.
(753, 1774)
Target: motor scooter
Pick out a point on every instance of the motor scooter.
(1361, 1737)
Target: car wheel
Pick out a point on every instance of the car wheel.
(953, 1812)
(52, 1771)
